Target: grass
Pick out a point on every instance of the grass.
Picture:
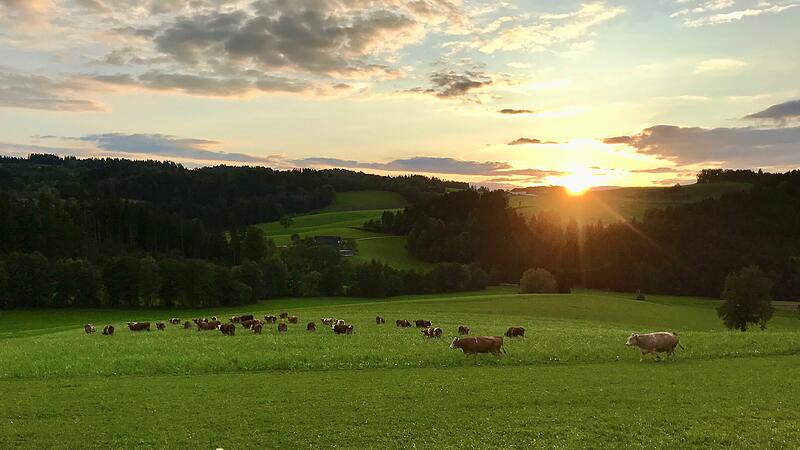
(615, 204)
(570, 383)
(390, 250)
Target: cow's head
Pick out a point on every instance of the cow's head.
(456, 343)
(633, 339)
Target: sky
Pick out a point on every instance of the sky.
(500, 94)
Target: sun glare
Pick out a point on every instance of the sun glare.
(577, 182)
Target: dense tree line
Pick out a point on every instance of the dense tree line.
(687, 249)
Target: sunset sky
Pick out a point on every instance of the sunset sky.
(496, 93)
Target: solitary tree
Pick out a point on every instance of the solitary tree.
(286, 221)
(535, 281)
(746, 299)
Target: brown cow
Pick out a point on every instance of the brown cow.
(402, 323)
(108, 330)
(284, 315)
(208, 326)
(380, 320)
(422, 323)
(228, 329)
(187, 325)
(244, 317)
(341, 328)
(293, 319)
(328, 321)
(463, 330)
(311, 326)
(515, 332)
(235, 319)
(89, 328)
(479, 344)
(256, 328)
(249, 323)
(656, 343)
(432, 332)
(340, 322)
(282, 327)
(174, 321)
(161, 326)
(139, 326)
(270, 319)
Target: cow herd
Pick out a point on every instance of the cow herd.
(649, 343)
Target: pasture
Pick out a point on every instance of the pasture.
(571, 382)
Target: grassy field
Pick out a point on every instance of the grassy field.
(345, 218)
(570, 383)
(615, 204)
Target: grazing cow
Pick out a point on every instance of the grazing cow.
(328, 321)
(656, 343)
(228, 329)
(311, 326)
(161, 326)
(187, 325)
(108, 330)
(341, 328)
(139, 326)
(422, 323)
(340, 322)
(402, 323)
(432, 332)
(249, 323)
(515, 332)
(256, 328)
(293, 319)
(174, 321)
(284, 315)
(479, 344)
(89, 328)
(246, 317)
(380, 320)
(282, 327)
(203, 326)
(270, 319)
(235, 319)
(463, 330)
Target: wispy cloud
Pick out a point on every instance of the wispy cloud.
(718, 65)
(32, 91)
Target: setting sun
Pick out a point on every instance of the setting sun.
(577, 182)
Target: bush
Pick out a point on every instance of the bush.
(746, 299)
(537, 281)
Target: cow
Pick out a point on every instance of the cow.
(402, 323)
(284, 315)
(655, 343)
(463, 330)
(343, 329)
(208, 326)
(311, 326)
(228, 329)
(432, 332)
(422, 323)
(328, 321)
(139, 326)
(161, 326)
(379, 320)
(515, 332)
(174, 321)
(187, 325)
(270, 319)
(293, 319)
(282, 327)
(479, 344)
(214, 319)
(340, 322)
(256, 328)
(246, 317)
(89, 328)
(108, 330)
(249, 323)
(235, 319)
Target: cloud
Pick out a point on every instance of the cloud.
(550, 30)
(448, 84)
(210, 84)
(516, 111)
(31, 91)
(525, 140)
(740, 147)
(712, 12)
(657, 170)
(718, 65)
(16, 12)
(169, 146)
(779, 114)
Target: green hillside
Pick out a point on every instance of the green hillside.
(612, 205)
(571, 382)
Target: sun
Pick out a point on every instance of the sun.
(577, 182)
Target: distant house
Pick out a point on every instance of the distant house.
(330, 241)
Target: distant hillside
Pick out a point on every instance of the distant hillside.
(614, 204)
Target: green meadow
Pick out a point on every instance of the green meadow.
(571, 382)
